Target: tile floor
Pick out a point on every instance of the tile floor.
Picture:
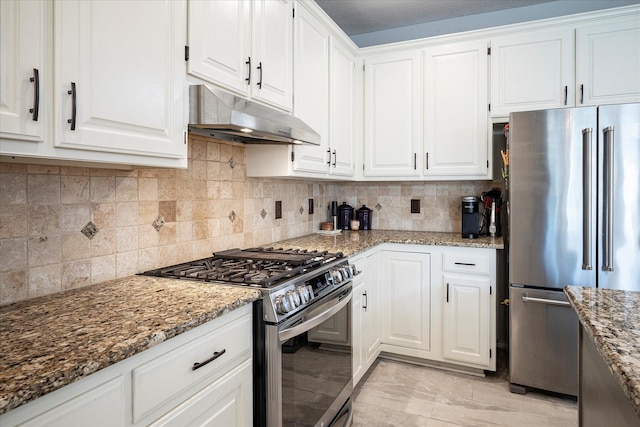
(405, 395)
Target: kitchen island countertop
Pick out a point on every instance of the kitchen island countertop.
(611, 318)
(353, 242)
(49, 342)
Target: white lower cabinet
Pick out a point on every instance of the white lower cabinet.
(160, 386)
(365, 309)
(406, 319)
(227, 402)
(469, 306)
(101, 405)
(433, 304)
(465, 322)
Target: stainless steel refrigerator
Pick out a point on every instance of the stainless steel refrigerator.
(574, 219)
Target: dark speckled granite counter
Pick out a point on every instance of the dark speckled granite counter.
(49, 342)
(353, 242)
(611, 318)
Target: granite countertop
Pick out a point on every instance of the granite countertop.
(612, 319)
(353, 242)
(49, 342)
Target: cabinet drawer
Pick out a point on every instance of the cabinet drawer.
(172, 375)
(466, 263)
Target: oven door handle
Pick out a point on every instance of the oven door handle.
(327, 310)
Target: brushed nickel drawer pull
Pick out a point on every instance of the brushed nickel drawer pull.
(198, 365)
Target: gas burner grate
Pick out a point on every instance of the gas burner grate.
(257, 267)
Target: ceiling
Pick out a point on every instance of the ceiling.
(376, 22)
(367, 16)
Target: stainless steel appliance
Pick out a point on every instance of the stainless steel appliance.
(219, 114)
(574, 220)
(297, 380)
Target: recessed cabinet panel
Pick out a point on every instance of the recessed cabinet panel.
(226, 402)
(102, 405)
(608, 62)
(456, 116)
(407, 315)
(392, 129)
(466, 320)
(226, 64)
(532, 71)
(119, 77)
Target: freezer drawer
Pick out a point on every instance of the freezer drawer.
(543, 346)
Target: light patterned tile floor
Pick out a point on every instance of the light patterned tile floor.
(405, 395)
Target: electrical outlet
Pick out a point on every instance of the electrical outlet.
(278, 209)
(310, 206)
(415, 206)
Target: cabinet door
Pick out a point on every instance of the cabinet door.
(466, 320)
(103, 405)
(392, 114)
(119, 76)
(24, 35)
(226, 64)
(311, 89)
(272, 52)
(372, 303)
(456, 116)
(342, 111)
(532, 71)
(608, 62)
(407, 320)
(357, 333)
(226, 402)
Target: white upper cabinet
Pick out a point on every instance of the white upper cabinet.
(226, 64)
(244, 46)
(311, 89)
(26, 77)
(532, 70)
(608, 62)
(393, 114)
(342, 108)
(456, 110)
(119, 77)
(110, 85)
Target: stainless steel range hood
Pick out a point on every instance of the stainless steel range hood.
(218, 114)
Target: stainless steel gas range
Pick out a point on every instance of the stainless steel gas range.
(300, 379)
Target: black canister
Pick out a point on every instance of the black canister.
(364, 216)
(345, 215)
(470, 217)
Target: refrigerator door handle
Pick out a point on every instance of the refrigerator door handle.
(525, 298)
(587, 174)
(607, 212)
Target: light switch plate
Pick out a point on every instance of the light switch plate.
(278, 209)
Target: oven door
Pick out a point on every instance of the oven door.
(309, 383)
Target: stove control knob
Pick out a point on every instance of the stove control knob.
(295, 298)
(283, 305)
(310, 289)
(304, 293)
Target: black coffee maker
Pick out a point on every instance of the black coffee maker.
(470, 217)
(491, 219)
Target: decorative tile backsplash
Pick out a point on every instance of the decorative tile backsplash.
(147, 218)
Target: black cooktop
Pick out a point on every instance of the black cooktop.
(256, 267)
